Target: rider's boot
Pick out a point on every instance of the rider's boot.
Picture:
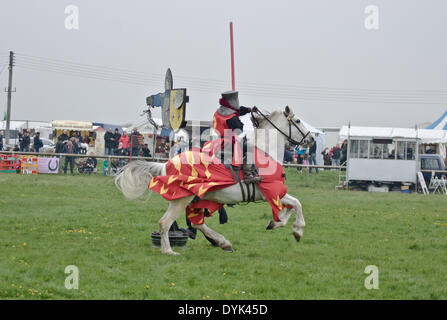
(251, 174)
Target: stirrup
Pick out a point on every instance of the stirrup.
(253, 179)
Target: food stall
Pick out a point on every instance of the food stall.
(74, 128)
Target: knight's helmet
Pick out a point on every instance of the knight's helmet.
(232, 98)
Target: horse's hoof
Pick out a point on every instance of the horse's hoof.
(297, 236)
(270, 225)
(172, 253)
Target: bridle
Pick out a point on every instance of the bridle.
(291, 122)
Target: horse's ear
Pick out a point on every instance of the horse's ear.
(287, 110)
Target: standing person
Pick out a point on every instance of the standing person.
(76, 146)
(63, 136)
(344, 152)
(300, 156)
(79, 136)
(37, 143)
(145, 151)
(26, 141)
(313, 156)
(108, 142)
(105, 167)
(288, 156)
(68, 148)
(116, 139)
(125, 140)
(59, 147)
(336, 154)
(135, 138)
(326, 157)
(182, 146)
(1, 141)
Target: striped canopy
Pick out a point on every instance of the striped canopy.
(440, 124)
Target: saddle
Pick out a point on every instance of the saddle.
(246, 195)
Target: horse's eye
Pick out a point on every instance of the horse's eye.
(298, 121)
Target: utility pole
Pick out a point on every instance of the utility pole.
(8, 111)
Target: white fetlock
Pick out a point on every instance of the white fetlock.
(171, 252)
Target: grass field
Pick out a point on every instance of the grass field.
(49, 222)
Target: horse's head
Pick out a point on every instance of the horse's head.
(287, 124)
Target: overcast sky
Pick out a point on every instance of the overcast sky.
(315, 56)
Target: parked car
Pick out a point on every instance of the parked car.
(431, 162)
(48, 145)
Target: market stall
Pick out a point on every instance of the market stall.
(73, 129)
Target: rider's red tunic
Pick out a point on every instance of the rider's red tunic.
(220, 123)
(227, 139)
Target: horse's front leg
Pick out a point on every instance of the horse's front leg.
(175, 210)
(299, 224)
(220, 239)
(284, 216)
(292, 203)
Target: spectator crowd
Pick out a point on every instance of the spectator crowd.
(126, 144)
(335, 156)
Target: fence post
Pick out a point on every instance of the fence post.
(130, 147)
(109, 167)
(307, 176)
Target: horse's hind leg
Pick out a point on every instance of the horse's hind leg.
(175, 210)
(220, 239)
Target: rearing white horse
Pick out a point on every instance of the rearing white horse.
(134, 178)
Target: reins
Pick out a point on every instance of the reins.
(291, 122)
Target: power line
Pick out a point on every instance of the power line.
(131, 77)
(265, 94)
(60, 62)
(209, 85)
(3, 69)
(248, 92)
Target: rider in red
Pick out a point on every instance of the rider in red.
(227, 117)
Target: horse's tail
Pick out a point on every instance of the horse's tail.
(134, 177)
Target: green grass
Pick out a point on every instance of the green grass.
(48, 222)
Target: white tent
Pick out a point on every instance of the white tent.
(13, 125)
(426, 136)
(144, 126)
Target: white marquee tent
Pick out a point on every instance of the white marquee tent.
(426, 136)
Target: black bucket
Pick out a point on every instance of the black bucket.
(176, 238)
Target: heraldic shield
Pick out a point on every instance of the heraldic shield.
(177, 108)
(172, 103)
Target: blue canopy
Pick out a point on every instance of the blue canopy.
(440, 124)
(106, 126)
